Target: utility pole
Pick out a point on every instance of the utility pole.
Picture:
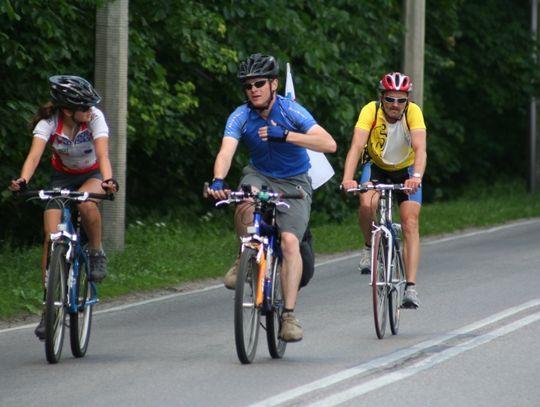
(111, 63)
(414, 12)
(534, 132)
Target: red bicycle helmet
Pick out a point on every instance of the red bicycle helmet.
(395, 81)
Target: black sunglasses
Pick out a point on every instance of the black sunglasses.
(83, 109)
(257, 84)
(390, 99)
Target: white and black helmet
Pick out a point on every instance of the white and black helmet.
(258, 66)
(72, 91)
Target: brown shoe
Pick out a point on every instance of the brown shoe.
(291, 331)
(230, 277)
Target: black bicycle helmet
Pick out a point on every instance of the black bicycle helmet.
(72, 91)
(258, 66)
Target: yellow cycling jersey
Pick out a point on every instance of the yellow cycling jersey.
(389, 144)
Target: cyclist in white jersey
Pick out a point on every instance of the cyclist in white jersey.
(78, 135)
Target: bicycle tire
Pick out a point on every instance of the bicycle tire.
(80, 322)
(378, 282)
(276, 345)
(395, 296)
(246, 314)
(55, 315)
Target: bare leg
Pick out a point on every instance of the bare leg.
(291, 271)
(410, 213)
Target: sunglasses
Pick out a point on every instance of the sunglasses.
(83, 109)
(390, 99)
(258, 84)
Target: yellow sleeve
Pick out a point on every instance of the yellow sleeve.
(415, 118)
(366, 116)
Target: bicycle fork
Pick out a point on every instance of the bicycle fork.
(389, 264)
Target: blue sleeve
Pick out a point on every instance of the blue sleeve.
(300, 119)
(236, 122)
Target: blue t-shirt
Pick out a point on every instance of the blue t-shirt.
(277, 160)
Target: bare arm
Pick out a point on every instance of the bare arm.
(316, 139)
(105, 167)
(359, 140)
(418, 141)
(223, 162)
(30, 164)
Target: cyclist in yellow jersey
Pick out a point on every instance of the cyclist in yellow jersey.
(393, 133)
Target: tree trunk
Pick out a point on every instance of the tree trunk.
(111, 82)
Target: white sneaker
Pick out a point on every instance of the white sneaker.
(364, 265)
(410, 298)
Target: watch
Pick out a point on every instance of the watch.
(417, 175)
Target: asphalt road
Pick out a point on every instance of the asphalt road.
(473, 342)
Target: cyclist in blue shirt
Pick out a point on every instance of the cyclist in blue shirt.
(277, 132)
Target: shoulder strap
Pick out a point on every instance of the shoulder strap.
(377, 105)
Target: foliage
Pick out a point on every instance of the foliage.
(182, 61)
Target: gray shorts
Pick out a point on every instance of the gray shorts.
(70, 181)
(294, 219)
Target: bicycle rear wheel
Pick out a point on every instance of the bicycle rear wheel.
(80, 322)
(55, 316)
(246, 315)
(276, 345)
(378, 282)
(395, 296)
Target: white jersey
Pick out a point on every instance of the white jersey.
(75, 156)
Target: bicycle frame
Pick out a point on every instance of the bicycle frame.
(263, 238)
(68, 235)
(388, 228)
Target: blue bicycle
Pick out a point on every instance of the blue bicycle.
(258, 284)
(68, 288)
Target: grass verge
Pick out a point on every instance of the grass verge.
(160, 255)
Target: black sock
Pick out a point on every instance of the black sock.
(288, 309)
(407, 284)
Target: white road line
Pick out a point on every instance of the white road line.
(390, 359)
(425, 364)
(324, 263)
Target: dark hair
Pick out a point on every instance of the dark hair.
(44, 112)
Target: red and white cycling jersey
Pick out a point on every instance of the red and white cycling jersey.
(77, 156)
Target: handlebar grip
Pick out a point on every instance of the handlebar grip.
(205, 190)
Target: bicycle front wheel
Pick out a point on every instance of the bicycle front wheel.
(246, 314)
(378, 282)
(80, 321)
(276, 345)
(55, 316)
(395, 296)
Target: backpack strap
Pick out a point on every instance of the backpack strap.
(365, 155)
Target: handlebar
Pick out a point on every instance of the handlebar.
(47, 195)
(379, 187)
(261, 196)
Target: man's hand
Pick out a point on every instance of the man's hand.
(273, 132)
(347, 184)
(218, 189)
(414, 183)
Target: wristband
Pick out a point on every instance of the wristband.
(417, 175)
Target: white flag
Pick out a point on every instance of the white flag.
(321, 170)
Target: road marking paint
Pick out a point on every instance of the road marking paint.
(424, 364)
(392, 358)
